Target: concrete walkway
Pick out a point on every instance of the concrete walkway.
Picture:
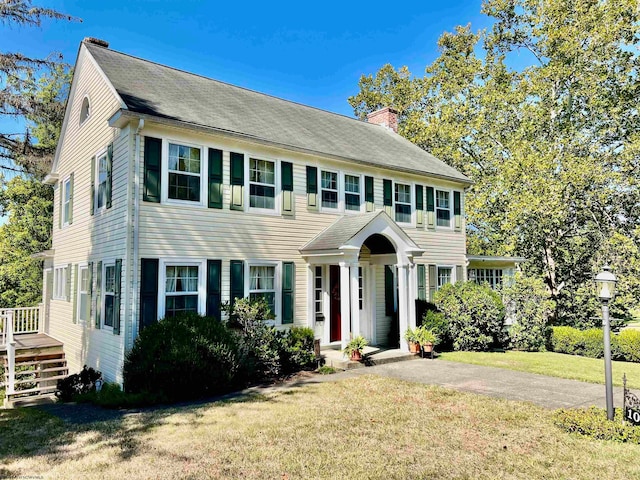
(548, 392)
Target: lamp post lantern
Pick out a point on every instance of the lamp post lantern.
(606, 290)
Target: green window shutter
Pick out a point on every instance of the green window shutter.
(422, 282)
(237, 181)
(98, 294)
(312, 188)
(419, 206)
(68, 285)
(74, 315)
(237, 281)
(431, 208)
(433, 281)
(89, 311)
(286, 170)
(117, 289)
(214, 288)
(368, 194)
(148, 292)
(60, 194)
(457, 211)
(459, 274)
(152, 169)
(288, 287)
(389, 294)
(109, 188)
(215, 178)
(70, 199)
(92, 192)
(387, 197)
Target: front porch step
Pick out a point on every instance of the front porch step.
(372, 356)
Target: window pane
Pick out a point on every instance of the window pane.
(261, 196)
(403, 213)
(403, 193)
(329, 199)
(262, 171)
(184, 187)
(351, 184)
(352, 201)
(330, 180)
(180, 303)
(109, 279)
(108, 310)
(442, 199)
(181, 279)
(270, 297)
(444, 276)
(444, 218)
(184, 159)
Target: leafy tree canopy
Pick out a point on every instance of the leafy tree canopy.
(553, 148)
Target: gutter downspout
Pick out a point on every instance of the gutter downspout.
(136, 237)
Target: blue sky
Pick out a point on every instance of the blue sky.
(313, 53)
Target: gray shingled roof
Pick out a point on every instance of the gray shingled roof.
(157, 90)
(340, 232)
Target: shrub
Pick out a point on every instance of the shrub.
(528, 305)
(325, 370)
(592, 422)
(112, 396)
(564, 340)
(437, 323)
(592, 343)
(183, 357)
(296, 351)
(628, 343)
(77, 384)
(474, 313)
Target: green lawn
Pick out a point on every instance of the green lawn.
(365, 427)
(553, 364)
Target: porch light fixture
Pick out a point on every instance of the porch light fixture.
(606, 291)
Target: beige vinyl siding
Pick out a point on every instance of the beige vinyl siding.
(90, 238)
(179, 231)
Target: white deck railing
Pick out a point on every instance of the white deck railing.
(25, 320)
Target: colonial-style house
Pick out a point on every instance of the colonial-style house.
(176, 192)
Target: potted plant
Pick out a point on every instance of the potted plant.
(411, 337)
(426, 338)
(355, 347)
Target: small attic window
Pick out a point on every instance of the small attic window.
(85, 110)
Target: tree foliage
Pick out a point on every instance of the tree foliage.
(553, 147)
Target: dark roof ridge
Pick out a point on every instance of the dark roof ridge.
(94, 45)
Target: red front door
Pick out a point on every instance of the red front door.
(334, 283)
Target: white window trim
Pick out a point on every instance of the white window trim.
(363, 204)
(63, 190)
(317, 313)
(96, 185)
(453, 275)
(182, 262)
(204, 173)
(63, 295)
(277, 280)
(88, 98)
(81, 266)
(411, 202)
(111, 262)
(247, 183)
(452, 220)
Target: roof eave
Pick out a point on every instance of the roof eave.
(123, 116)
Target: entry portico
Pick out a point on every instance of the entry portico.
(343, 261)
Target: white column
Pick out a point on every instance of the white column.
(373, 304)
(355, 304)
(403, 313)
(11, 353)
(344, 304)
(413, 289)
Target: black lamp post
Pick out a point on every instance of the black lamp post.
(606, 290)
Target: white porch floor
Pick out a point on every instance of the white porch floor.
(333, 357)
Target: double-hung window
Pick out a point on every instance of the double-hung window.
(60, 283)
(181, 289)
(185, 171)
(443, 208)
(262, 184)
(492, 276)
(83, 293)
(403, 203)
(109, 279)
(262, 284)
(66, 201)
(329, 189)
(352, 192)
(445, 275)
(101, 181)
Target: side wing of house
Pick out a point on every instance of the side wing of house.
(89, 238)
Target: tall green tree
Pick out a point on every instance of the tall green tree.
(553, 148)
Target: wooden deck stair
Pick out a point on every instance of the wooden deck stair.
(40, 363)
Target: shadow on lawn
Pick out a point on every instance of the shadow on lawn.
(50, 430)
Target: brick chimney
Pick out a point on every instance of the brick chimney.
(96, 41)
(387, 117)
